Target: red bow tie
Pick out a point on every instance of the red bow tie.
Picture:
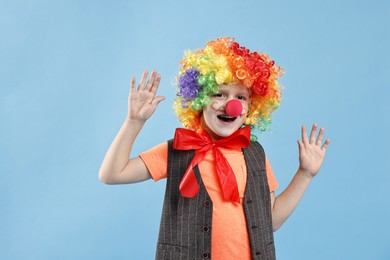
(189, 140)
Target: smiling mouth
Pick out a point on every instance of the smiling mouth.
(226, 118)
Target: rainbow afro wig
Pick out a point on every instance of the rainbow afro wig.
(224, 61)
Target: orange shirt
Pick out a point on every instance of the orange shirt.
(229, 238)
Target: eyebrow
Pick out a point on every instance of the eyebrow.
(239, 92)
(243, 93)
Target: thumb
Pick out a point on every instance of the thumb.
(157, 100)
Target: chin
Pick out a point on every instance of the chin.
(219, 128)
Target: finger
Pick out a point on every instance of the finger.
(132, 85)
(325, 145)
(313, 134)
(300, 145)
(320, 135)
(304, 134)
(151, 80)
(143, 80)
(157, 100)
(156, 84)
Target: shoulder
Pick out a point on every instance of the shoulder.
(257, 146)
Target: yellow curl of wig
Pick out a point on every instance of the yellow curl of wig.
(224, 61)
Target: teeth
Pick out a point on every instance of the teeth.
(226, 118)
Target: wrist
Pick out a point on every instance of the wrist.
(305, 173)
(134, 122)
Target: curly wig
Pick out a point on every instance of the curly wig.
(224, 61)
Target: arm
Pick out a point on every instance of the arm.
(116, 167)
(311, 156)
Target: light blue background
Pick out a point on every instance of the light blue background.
(65, 68)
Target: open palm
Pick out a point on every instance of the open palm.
(312, 151)
(142, 101)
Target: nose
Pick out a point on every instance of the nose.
(233, 108)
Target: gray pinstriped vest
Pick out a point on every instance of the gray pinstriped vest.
(185, 229)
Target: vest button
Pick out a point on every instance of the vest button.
(207, 203)
(205, 255)
(206, 229)
(253, 227)
(249, 201)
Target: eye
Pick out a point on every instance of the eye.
(218, 95)
(242, 97)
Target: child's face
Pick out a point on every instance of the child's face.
(214, 118)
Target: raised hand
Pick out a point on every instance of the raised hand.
(312, 151)
(142, 101)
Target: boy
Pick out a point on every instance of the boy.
(219, 199)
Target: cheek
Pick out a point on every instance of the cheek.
(245, 108)
(215, 105)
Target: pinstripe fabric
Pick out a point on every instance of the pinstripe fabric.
(185, 229)
(257, 204)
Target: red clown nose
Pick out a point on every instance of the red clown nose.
(233, 108)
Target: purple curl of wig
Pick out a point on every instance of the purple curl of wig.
(189, 87)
